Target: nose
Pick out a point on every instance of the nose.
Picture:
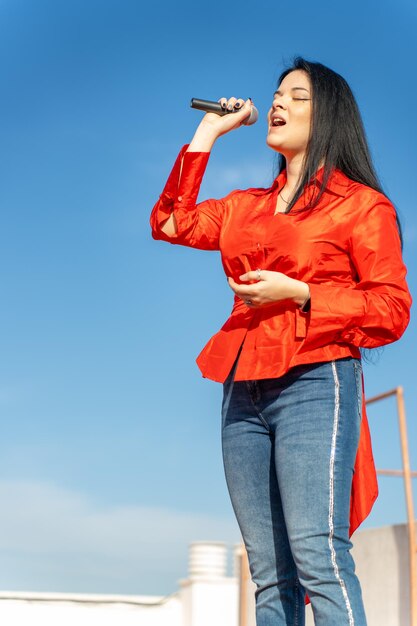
(278, 103)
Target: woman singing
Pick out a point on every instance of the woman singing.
(316, 267)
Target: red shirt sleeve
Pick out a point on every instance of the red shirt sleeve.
(198, 224)
(376, 311)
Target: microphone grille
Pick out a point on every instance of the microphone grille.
(252, 118)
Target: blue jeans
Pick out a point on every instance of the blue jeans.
(289, 448)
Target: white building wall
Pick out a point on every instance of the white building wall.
(208, 603)
(71, 610)
(208, 597)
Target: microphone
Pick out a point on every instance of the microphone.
(209, 106)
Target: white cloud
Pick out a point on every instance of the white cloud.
(52, 539)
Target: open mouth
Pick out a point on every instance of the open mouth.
(277, 121)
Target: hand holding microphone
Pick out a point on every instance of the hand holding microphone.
(224, 107)
(217, 122)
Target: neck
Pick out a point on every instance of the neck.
(294, 166)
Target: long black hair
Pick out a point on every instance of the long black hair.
(337, 135)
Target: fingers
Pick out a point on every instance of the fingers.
(251, 280)
(232, 103)
(222, 123)
(250, 276)
(232, 284)
(243, 291)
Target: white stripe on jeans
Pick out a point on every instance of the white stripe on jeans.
(331, 497)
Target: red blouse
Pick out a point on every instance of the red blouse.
(348, 251)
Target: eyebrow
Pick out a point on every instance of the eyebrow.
(279, 92)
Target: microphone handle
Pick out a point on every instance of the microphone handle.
(209, 106)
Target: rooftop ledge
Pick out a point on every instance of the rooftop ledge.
(35, 596)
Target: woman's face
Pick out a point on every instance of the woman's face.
(289, 118)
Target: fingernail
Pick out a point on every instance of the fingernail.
(223, 105)
(237, 105)
(229, 108)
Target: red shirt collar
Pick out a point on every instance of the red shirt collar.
(338, 183)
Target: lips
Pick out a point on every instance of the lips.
(277, 121)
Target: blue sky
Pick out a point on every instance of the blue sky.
(110, 459)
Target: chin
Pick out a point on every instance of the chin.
(274, 143)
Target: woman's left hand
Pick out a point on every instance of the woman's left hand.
(269, 288)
